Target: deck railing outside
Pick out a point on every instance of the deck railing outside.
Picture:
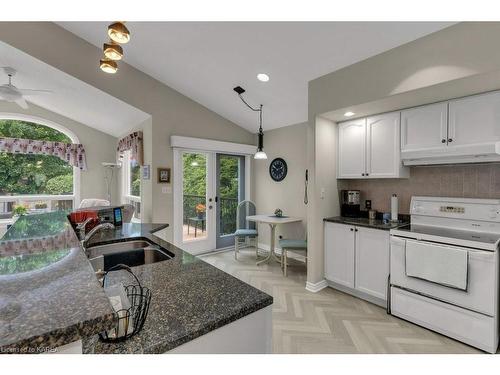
(228, 208)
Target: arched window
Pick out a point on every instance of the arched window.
(35, 183)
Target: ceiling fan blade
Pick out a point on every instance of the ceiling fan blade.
(22, 103)
(33, 92)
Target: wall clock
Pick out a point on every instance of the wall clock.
(278, 169)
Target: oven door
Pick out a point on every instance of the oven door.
(481, 287)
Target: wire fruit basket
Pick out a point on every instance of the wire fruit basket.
(129, 320)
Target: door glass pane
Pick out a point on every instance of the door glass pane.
(194, 196)
(229, 176)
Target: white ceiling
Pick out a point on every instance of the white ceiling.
(205, 60)
(71, 97)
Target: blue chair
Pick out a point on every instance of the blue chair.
(295, 246)
(246, 231)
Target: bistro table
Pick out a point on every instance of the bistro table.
(273, 221)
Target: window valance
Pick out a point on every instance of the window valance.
(72, 153)
(132, 142)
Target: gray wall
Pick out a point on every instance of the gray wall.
(172, 113)
(465, 54)
(288, 143)
(99, 147)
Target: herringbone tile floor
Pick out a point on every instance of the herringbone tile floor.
(329, 321)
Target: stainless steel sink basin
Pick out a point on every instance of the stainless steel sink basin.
(131, 253)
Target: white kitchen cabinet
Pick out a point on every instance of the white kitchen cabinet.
(352, 148)
(339, 253)
(424, 128)
(474, 120)
(372, 261)
(370, 148)
(383, 156)
(357, 260)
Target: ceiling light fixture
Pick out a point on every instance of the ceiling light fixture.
(108, 66)
(260, 154)
(113, 51)
(263, 77)
(349, 114)
(119, 33)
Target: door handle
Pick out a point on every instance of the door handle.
(216, 199)
(450, 140)
(443, 140)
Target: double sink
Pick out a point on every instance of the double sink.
(134, 252)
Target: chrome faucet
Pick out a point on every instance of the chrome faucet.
(93, 231)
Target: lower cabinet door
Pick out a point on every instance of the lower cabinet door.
(372, 261)
(339, 253)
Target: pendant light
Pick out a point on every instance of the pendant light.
(260, 154)
(119, 33)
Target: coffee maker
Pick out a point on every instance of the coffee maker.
(349, 203)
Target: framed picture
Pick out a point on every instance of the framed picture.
(164, 175)
(146, 172)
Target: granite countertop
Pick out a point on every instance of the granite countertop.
(50, 296)
(189, 297)
(365, 222)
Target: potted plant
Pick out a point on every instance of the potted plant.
(19, 210)
(200, 210)
(40, 205)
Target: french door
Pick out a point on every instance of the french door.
(207, 189)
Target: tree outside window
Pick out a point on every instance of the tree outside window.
(31, 179)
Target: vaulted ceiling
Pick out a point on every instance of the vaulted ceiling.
(205, 60)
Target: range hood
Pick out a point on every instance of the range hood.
(471, 153)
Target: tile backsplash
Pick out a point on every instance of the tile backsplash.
(466, 180)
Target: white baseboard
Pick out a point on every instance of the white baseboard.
(316, 287)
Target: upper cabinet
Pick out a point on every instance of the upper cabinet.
(370, 148)
(424, 128)
(465, 130)
(474, 120)
(352, 148)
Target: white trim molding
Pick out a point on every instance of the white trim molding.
(316, 287)
(201, 144)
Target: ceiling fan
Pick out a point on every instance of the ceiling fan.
(11, 93)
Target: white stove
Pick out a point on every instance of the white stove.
(445, 268)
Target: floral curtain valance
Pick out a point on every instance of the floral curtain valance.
(132, 142)
(72, 153)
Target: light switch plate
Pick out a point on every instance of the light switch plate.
(322, 193)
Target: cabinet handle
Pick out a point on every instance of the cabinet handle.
(352, 229)
(450, 140)
(362, 174)
(443, 140)
(366, 174)
(356, 229)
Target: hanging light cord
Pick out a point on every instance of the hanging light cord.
(255, 110)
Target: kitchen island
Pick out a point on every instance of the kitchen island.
(58, 300)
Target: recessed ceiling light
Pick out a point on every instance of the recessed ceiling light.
(349, 114)
(263, 77)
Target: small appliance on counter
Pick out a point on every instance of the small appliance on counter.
(350, 206)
